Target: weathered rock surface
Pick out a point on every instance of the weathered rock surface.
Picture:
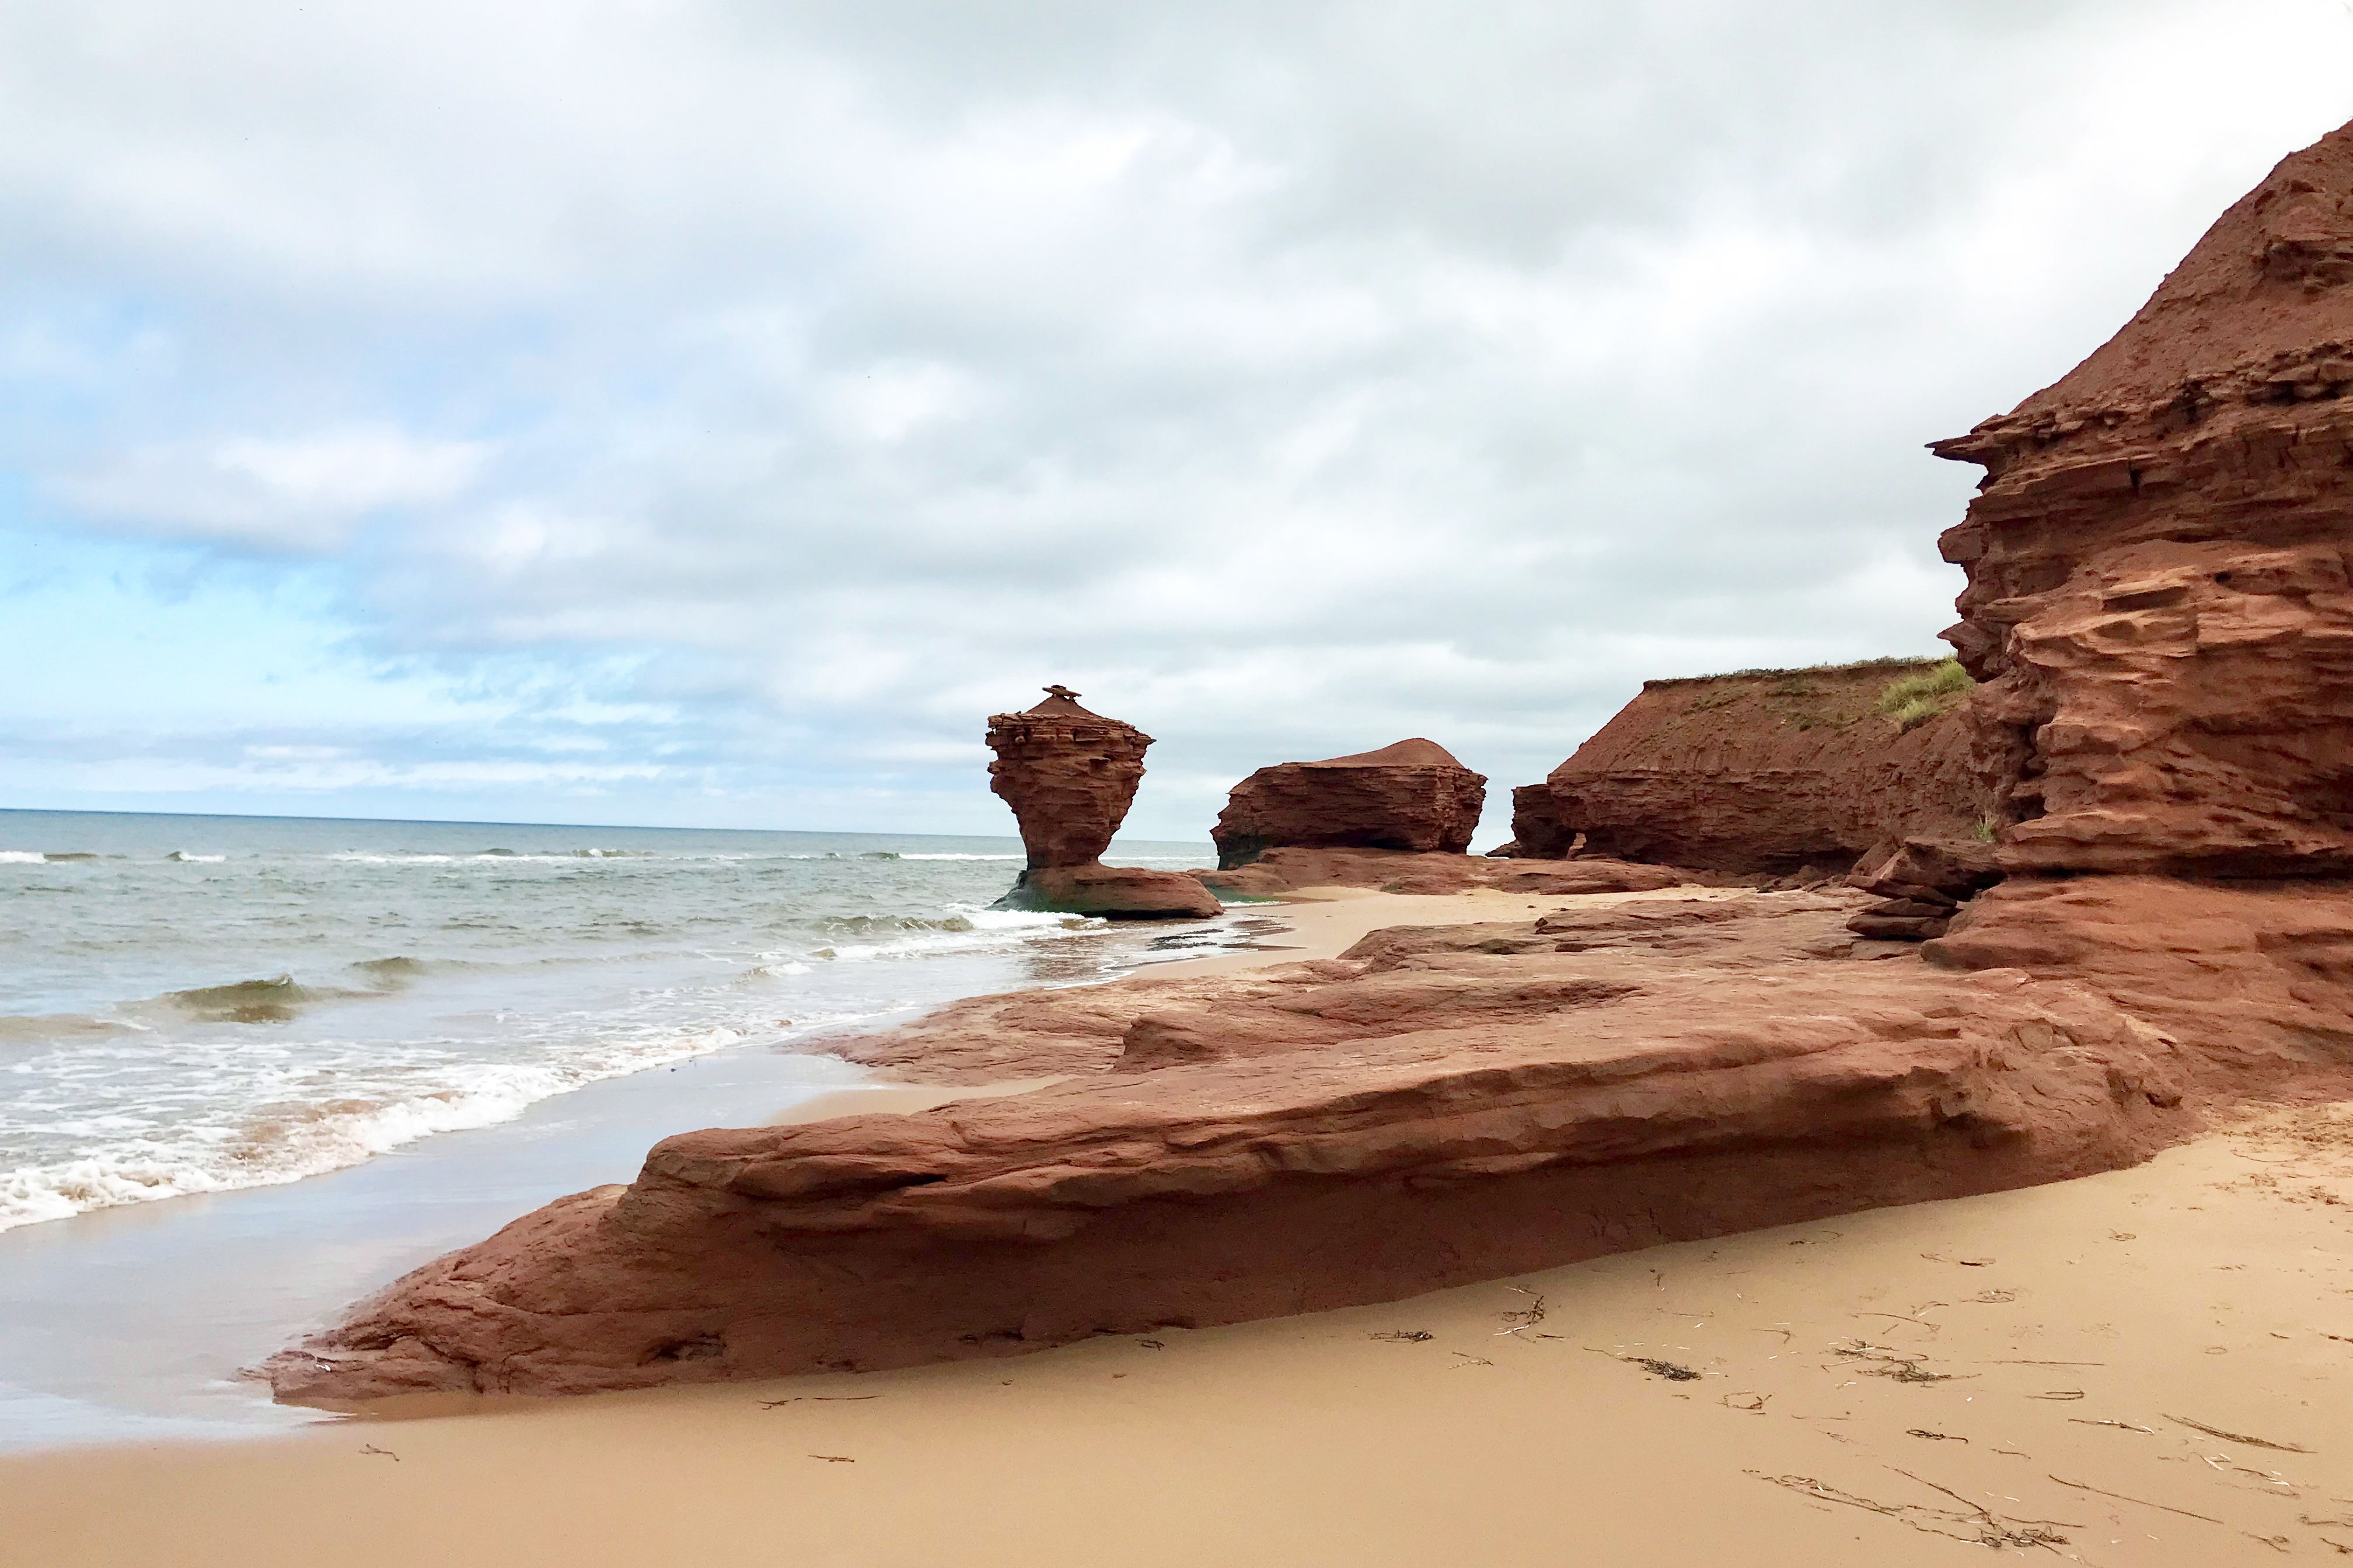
(1433, 1109)
(2159, 607)
(1287, 870)
(1412, 795)
(1113, 892)
(1920, 883)
(1762, 771)
(1538, 831)
(1070, 777)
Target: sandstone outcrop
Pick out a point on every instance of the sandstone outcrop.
(1921, 884)
(1412, 795)
(1289, 869)
(2158, 608)
(1070, 777)
(1766, 771)
(1538, 831)
(1433, 1108)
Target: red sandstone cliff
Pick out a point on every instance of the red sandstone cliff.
(2159, 606)
(1763, 771)
(1411, 795)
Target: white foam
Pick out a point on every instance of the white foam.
(310, 1140)
(23, 857)
(195, 859)
(961, 857)
(777, 971)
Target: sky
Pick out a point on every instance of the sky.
(707, 414)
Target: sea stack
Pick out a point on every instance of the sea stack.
(1412, 795)
(1070, 777)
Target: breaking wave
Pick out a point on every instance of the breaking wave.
(288, 1143)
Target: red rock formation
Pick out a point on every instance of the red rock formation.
(1411, 795)
(1289, 869)
(1768, 771)
(2158, 607)
(1070, 777)
(1538, 831)
(1419, 1114)
(1921, 882)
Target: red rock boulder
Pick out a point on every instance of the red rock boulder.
(1412, 795)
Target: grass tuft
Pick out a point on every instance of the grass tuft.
(1919, 696)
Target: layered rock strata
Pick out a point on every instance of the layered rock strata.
(1763, 772)
(1290, 871)
(1412, 795)
(1434, 1108)
(1070, 777)
(2159, 611)
(1921, 884)
(1538, 831)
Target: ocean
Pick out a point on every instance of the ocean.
(253, 1069)
(196, 1005)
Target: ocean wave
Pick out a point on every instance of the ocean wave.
(394, 971)
(195, 859)
(49, 1026)
(912, 856)
(287, 1144)
(772, 971)
(964, 930)
(272, 1001)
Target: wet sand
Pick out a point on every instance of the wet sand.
(2148, 1366)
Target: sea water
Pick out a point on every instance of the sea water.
(251, 1068)
(194, 1005)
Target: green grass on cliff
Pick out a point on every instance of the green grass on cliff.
(1919, 696)
(1835, 696)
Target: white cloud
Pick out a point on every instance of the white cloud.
(303, 494)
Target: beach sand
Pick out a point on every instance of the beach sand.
(1889, 1387)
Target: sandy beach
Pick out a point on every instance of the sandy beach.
(2007, 1369)
(2147, 1366)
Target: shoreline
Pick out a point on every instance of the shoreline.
(94, 1353)
(2064, 1331)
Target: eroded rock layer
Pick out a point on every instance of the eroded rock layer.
(1435, 1107)
(1291, 869)
(2159, 605)
(1762, 771)
(1412, 795)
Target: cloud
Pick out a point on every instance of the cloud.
(305, 494)
(1290, 377)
